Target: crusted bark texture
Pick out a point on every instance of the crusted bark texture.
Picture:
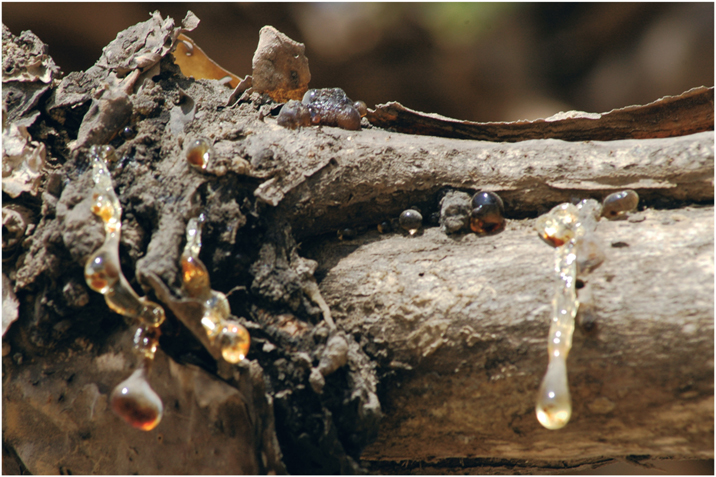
(439, 341)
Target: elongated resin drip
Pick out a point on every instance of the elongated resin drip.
(566, 227)
(133, 399)
(554, 404)
(231, 336)
(102, 271)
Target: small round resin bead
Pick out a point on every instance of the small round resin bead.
(619, 203)
(127, 132)
(136, 402)
(234, 341)
(199, 153)
(347, 233)
(487, 215)
(385, 227)
(411, 220)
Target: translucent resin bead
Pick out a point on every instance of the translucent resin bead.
(101, 270)
(234, 341)
(618, 204)
(487, 215)
(195, 277)
(199, 153)
(411, 220)
(558, 226)
(136, 402)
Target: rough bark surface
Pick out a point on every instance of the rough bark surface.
(460, 325)
(449, 331)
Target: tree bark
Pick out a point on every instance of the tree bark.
(444, 336)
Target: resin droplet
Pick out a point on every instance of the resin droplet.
(101, 271)
(293, 115)
(487, 215)
(554, 403)
(234, 341)
(411, 220)
(361, 107)
(558, 226)
(385, 227)
(331, 107)
(136, 402)
(195, 277)
(105, 203)
(146, 340)
(616, 205)
(127, 132)
(347, 234)
(199, 153)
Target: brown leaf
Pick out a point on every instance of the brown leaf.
(194, 63)
(687, 113)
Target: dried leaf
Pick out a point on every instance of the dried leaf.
(194, 63)
(22, 161)
(688, 113)
(141, 46)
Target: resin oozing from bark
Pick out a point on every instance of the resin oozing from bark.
(231, 336)
(566, 227)
(133, 399)
(332, 107)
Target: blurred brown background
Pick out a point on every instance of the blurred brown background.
(476, 61)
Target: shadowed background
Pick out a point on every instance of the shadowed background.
(475, 61)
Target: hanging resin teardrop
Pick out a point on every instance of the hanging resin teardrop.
(136, 402)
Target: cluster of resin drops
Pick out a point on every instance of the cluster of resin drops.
(133, 399)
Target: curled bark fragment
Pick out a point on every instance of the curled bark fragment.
(687, 113)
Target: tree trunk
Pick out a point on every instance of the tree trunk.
(444, 336)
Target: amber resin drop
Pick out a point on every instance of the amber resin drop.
(101, 272)
(487, 215)
(195, 276)
(234, 341)
(199, 153)
(136, 402)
